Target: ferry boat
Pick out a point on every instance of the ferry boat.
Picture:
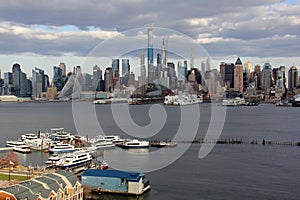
(22, 149)
(12, 143)
(75, 159)
(135, 144)
(114, 138)
(102, 143)
(183, 100)
(59, 134)
(52, 160)
(233, 102)
(296, 100)
(29, 136)
(62, 148)
(39, 143)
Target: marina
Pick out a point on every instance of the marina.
(230, 155)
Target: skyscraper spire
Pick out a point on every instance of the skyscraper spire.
(164, 55)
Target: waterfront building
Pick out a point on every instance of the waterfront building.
(150, 51)
(40, 82)
(51, 93)
(21, 87)
(238, 76)
(115, 181)
(292, 78)
(61, 185)
(8, 83)
(58, 78)
(266, 77)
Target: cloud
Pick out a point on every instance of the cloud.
(223, 27)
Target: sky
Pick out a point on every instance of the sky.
(44, 33)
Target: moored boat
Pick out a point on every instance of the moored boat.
(52, 160)
(62, 148)
(22, 149)
(75, 159)
(13, 143)
(102, 143)
(135, 144)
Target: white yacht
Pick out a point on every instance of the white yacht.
(22, 149)
(114, 138)
(135, 144)
(101, 142)
(52, 160)
(234, 102)
(12, 143)
(182, 100)
(75, 159)
(29, 136)
(62, 148)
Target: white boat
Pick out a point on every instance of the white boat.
(59, 134)
(233, 102)
(62, 148)
(52, 160)
(22, 149)
(38, 144)
(12, 143)
(114, 138)
(102, 143)
(135, 144)
(75, 159)
(29, 136)
(183, 100)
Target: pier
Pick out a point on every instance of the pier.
(6, 149)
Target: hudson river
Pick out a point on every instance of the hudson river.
(229, 171)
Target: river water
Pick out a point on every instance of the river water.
(229, 171)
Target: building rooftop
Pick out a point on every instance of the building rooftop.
(132, 176)
(238, 61)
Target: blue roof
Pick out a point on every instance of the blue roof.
(132, 176)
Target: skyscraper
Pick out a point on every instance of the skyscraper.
(37, 82)
(62, 66)
(57, 78)
(125, 67)
(208, 64)
(158, 69)
(293, 78)
(108, 78)
(97, 76)
(227, 74)
(238, 76)
(164, 53)
(266, 77)
(150, 50)
(142, 64)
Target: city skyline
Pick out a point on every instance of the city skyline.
(36, 36)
